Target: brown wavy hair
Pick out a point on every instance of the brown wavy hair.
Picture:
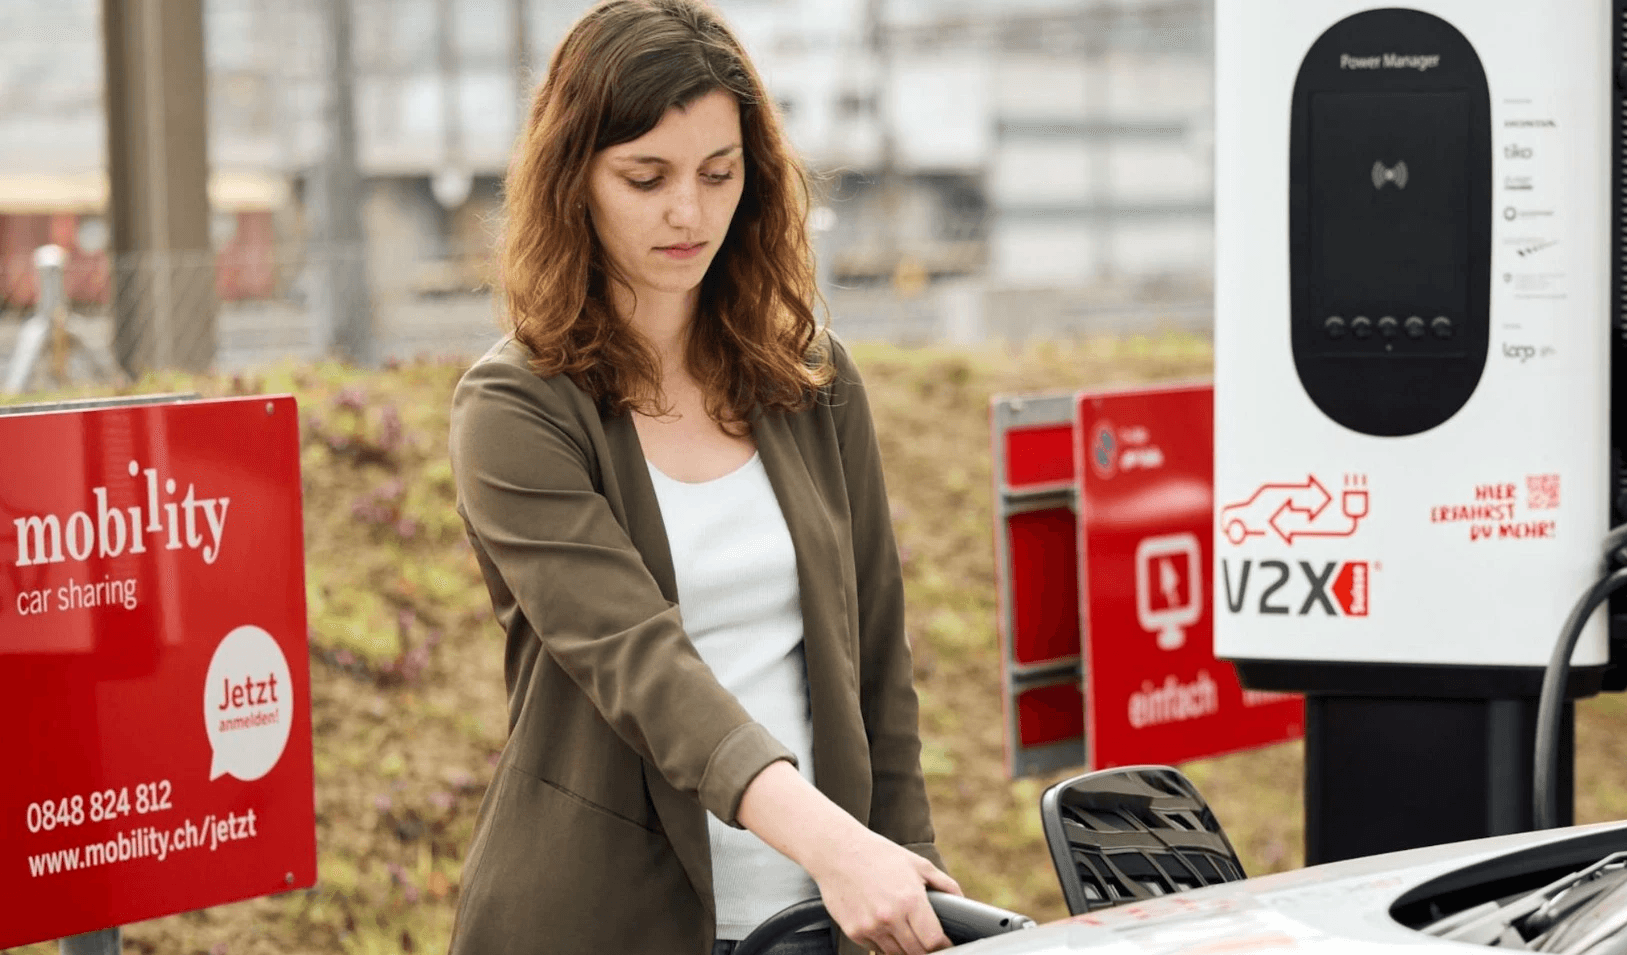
(611, 80)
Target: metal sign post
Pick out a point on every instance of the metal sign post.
(51, 335)
(109, 941)
(1035, 531)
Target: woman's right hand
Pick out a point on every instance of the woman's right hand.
(874, 888)
(875, 891)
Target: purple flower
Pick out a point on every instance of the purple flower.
(389, 428)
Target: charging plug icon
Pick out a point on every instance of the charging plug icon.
(1353, 502)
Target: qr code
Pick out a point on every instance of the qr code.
(1542, 492)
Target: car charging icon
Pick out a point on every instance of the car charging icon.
(1169, 586)
(1293, 511)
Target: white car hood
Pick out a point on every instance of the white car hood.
(1333, 909)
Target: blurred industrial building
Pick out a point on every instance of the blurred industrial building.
(986, 168)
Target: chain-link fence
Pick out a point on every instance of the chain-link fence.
(70, 319)
(108, 321)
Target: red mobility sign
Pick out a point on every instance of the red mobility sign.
(1154, 692)
(154, 679)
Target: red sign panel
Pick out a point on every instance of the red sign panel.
(1154, 692)
(154, 678)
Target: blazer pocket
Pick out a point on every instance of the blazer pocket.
(564, 792)
(557, 873)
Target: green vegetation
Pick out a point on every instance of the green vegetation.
(406, 661)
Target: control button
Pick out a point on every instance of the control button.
(1415, 327)
(1334, 326)
(1388, 326)
(1441, 326)
(1361, 326)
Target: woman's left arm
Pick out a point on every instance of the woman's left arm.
(898, 802)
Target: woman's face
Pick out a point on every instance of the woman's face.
(662, 203)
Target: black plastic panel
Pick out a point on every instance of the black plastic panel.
(1422, 680)
(1616, 676)
(1390, 221)
(1132, 834)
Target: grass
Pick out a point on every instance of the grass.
(407, 695)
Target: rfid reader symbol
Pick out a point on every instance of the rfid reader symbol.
(1386, 174)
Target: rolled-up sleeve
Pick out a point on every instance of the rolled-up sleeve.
(898, 804)
(525, 488)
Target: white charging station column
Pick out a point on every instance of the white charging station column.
(1412, 386)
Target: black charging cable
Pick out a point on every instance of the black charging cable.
(1615, 545)
(1545, 765)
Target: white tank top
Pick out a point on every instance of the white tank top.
(736, 570)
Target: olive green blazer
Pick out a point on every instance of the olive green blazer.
(592, 836)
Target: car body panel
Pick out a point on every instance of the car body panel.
(1339, 907)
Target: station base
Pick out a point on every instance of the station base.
(1385, 773)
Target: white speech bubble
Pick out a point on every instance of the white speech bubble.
(248, 704)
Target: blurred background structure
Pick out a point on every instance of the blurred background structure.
(988, 168)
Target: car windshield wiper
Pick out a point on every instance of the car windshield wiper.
(1595, 927)
(1543, 919)
(1551, 926)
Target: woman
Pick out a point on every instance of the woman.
(673, 488)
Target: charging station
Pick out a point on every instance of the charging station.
(1415, 221)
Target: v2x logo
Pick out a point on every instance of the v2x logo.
(1335, 589)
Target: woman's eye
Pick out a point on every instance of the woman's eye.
(645, 184)
(719, 177)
